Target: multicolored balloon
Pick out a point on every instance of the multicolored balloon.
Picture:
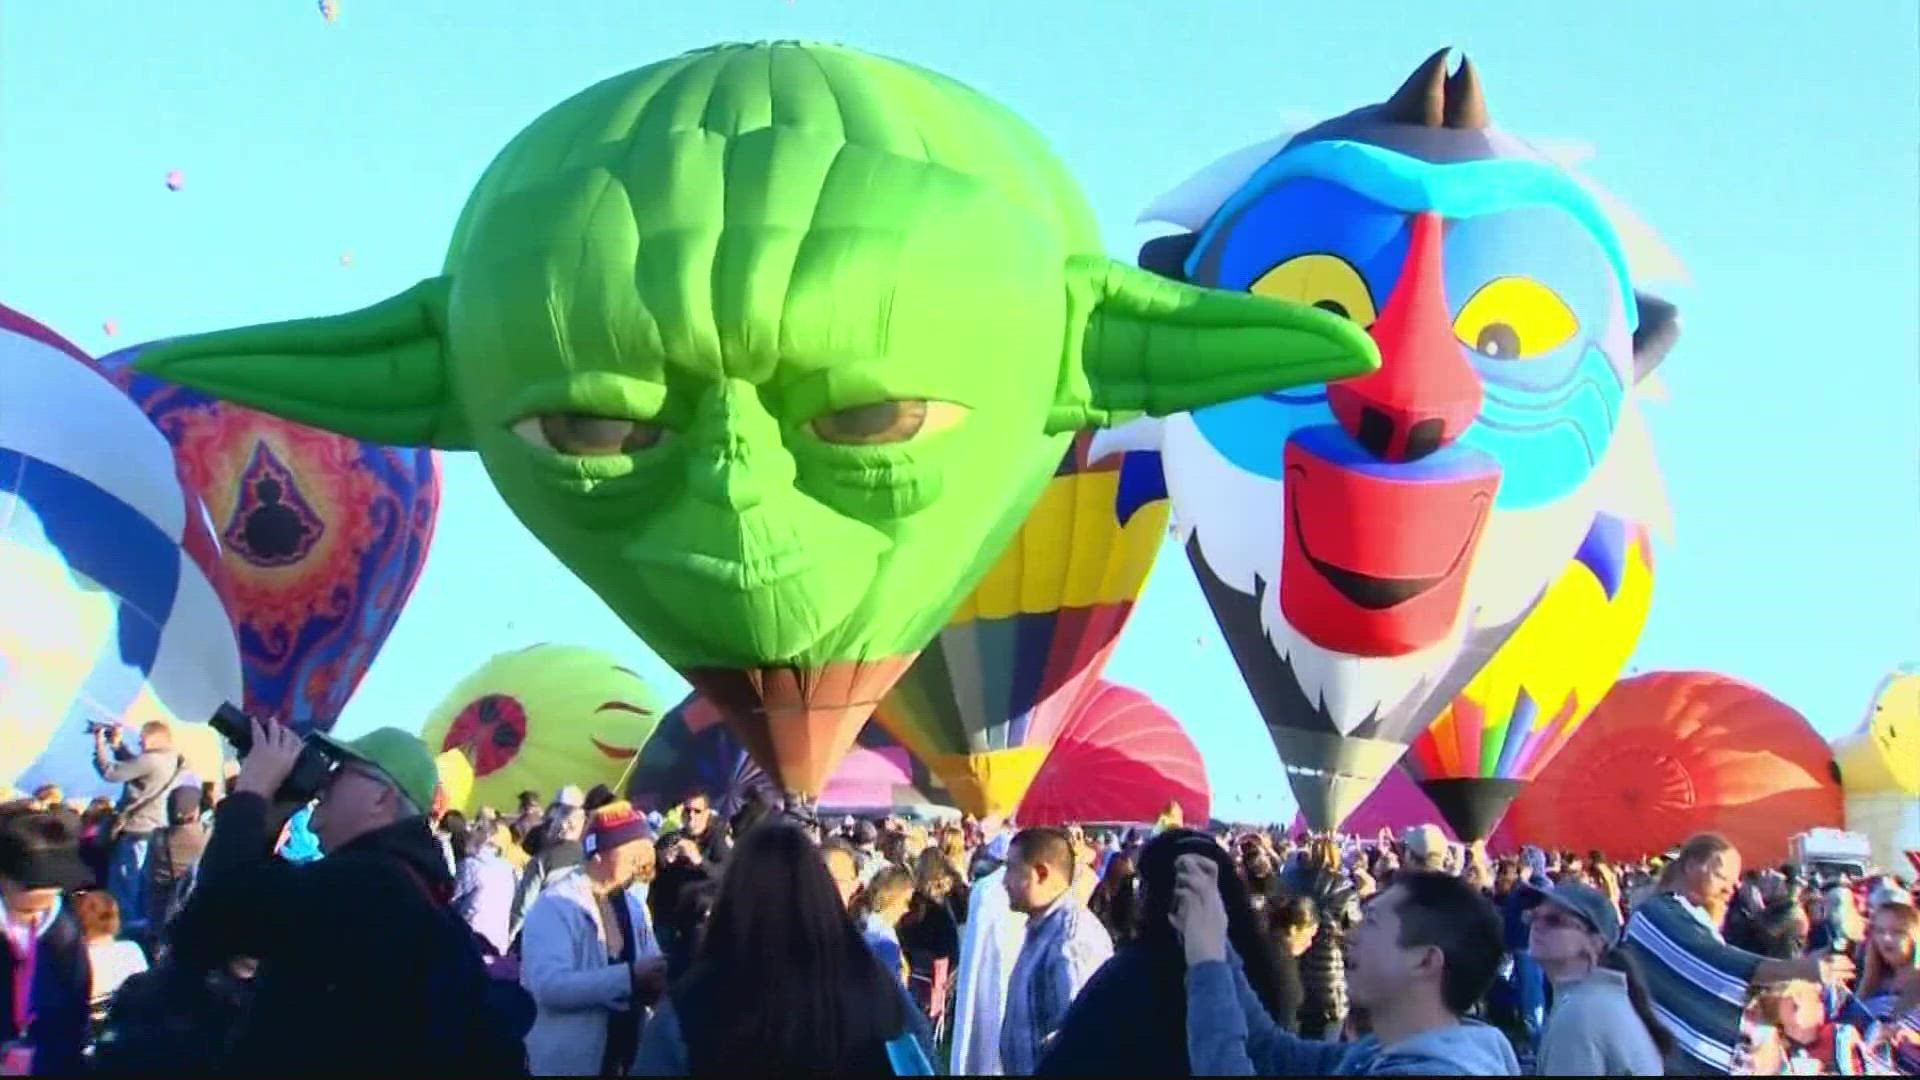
(780, 406)
(322, 538)
(110, 575)
(982, 705)
(1121, 757)
(539, 718)
(1522, 707)
(1366, 545)
(1880, 771)
(1673, 753)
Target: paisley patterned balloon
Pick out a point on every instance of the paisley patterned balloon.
(322, 538)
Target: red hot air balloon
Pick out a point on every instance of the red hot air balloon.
(1674, 753)
(1119, 757)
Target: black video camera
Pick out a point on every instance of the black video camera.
(311, 770)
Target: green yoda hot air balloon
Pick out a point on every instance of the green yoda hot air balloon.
(773, 345)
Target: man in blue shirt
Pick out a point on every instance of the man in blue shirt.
(1064, 946)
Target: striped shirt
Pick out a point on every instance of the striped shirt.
(1697, 981)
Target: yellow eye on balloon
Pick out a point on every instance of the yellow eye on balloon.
(1514, 318)
(885, 421)
(1327, 282)
(588, 436)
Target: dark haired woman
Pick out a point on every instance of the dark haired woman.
(782, 983)
(1115, 900)
(1131, 1017)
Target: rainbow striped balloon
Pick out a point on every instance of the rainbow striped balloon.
(983, 703)
(1522, 707)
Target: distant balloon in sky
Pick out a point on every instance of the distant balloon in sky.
(175, 179)
(346, 258)
(110, 327)
(329, 10)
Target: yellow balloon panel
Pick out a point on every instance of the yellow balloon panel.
(1070, 552)
(1884, 755)
(1562, 659)
(456, 779)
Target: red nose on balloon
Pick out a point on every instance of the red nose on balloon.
(1424, 393)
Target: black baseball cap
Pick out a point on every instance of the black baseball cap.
(38, 850)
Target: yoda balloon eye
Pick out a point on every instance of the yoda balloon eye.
(588, 436)
(880, 422)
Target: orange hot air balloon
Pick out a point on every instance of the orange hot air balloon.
(1674, 753)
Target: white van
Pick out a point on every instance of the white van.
(1828, 853)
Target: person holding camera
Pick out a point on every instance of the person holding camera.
(147, 775)
(362, 962)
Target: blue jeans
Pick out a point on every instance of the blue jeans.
(127, 878)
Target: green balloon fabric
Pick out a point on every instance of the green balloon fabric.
(773, 345)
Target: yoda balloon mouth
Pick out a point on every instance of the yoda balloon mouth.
(773, 345)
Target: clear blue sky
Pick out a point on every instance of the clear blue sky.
(1776, 145)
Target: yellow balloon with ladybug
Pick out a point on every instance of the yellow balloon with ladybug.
(538, 719)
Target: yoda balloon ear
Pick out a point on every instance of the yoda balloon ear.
(1140, 343)
(378, 374)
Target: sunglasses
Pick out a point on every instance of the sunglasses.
(1548, 919)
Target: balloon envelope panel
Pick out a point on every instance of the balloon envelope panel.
(1120, 757)
(322, 538)
(540, 718)
(1673, 753)
(694, 751)
(985, 701)
(110, 584)
(1542, 683)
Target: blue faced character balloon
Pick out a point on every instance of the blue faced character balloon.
(1366, 544)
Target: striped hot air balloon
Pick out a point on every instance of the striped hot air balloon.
(983, 703)
(110, 573)
(1502, 729)
(1121, 757)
